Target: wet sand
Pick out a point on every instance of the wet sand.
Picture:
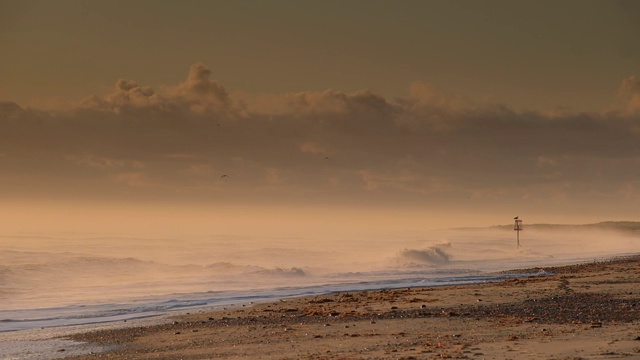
(586, 311)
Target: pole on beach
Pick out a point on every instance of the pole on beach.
(517, 226)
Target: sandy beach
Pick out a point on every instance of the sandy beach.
(585, 311)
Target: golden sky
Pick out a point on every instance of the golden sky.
(443, 107)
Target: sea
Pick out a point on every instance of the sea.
(69, 279)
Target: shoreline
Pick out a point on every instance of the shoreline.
(579, 311)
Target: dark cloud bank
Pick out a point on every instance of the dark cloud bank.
(178, 142)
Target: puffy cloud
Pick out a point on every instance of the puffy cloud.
(126, 93)
(201, 93)
(198, 83)
(197, 95)
(427, 148)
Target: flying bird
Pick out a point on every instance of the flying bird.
(224, 176)
(515, 218)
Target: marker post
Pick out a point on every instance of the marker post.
(517, 227)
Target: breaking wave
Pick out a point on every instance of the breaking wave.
(434, 255)
(294, 271)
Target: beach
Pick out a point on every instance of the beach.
(583, 311)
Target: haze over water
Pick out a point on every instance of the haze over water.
(74, 278)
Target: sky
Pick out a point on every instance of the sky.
(413, 113)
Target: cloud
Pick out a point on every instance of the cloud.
(430, 147)
(132, 179)
(201, 93)
(629, 91)
(106, 163)
(197, 95)
(9, 110)
(312, 148)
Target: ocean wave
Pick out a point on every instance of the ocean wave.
(231, 268)
(434, 255)
(294, 271)
(69, 273)
(67, 263)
